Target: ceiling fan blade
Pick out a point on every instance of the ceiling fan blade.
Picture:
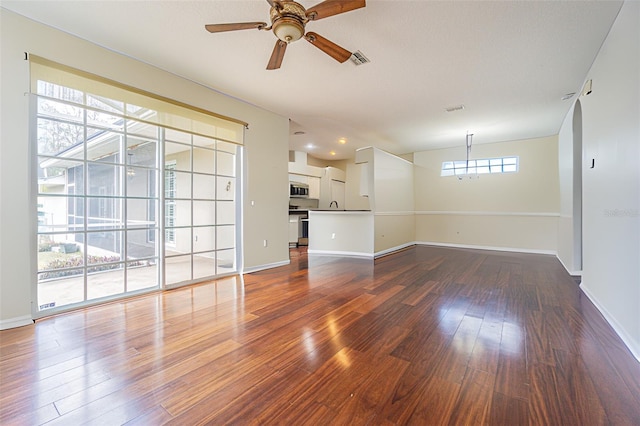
(328, 47)
(277, 55)
(275, 3)
(333, 7)
(219, 28)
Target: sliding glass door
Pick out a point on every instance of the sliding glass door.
(200, 207)
(97, 199)
(129, 198)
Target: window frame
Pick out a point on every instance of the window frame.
(77, 151)
(492, 165)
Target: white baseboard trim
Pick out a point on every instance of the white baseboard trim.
(427, 243)
(265, 266)
(340, 253)
(633, 346)
(572, 273)
(16, 322)
(362, 255)
(393, 249)
(475, 247)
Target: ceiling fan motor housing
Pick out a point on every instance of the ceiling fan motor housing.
(288, 20)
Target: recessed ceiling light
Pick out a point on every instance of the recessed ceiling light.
(309, 146)
(332, 153)
(299, 132)
(342, 141)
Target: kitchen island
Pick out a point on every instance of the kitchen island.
(341, 232)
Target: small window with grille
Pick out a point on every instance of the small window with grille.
(480, 166)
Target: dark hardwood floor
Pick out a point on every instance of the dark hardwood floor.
(423, 336)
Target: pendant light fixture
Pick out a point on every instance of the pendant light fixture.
(469, 142)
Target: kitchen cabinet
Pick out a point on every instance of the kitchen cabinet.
(332, 189)
(298, 228)
(314, 187)
(298, 178)
(294, 229)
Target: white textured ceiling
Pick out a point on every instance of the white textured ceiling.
(508, 62)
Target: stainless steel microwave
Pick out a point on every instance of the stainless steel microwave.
(298, 189)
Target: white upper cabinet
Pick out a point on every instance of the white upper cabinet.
(333, 173)
(314, 187)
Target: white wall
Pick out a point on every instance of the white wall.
(508, 211)
(389, 184)
(611, 190)
(341, 233)
(566, 233)
(393, 185)
(355, 201)
(266, 153)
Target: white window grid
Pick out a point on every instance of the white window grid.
(480, 166)
(81, 107)
(170, 204)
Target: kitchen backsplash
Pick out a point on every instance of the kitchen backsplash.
(303, 203)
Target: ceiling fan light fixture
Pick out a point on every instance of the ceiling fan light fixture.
(288, 29)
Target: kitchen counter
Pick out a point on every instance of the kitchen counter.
(337, 210)
(306, 211)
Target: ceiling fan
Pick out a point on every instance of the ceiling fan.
(288, 21)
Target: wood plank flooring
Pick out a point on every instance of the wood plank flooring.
(423, 336)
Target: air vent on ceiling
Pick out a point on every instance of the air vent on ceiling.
(358, 58)
(455, 108)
